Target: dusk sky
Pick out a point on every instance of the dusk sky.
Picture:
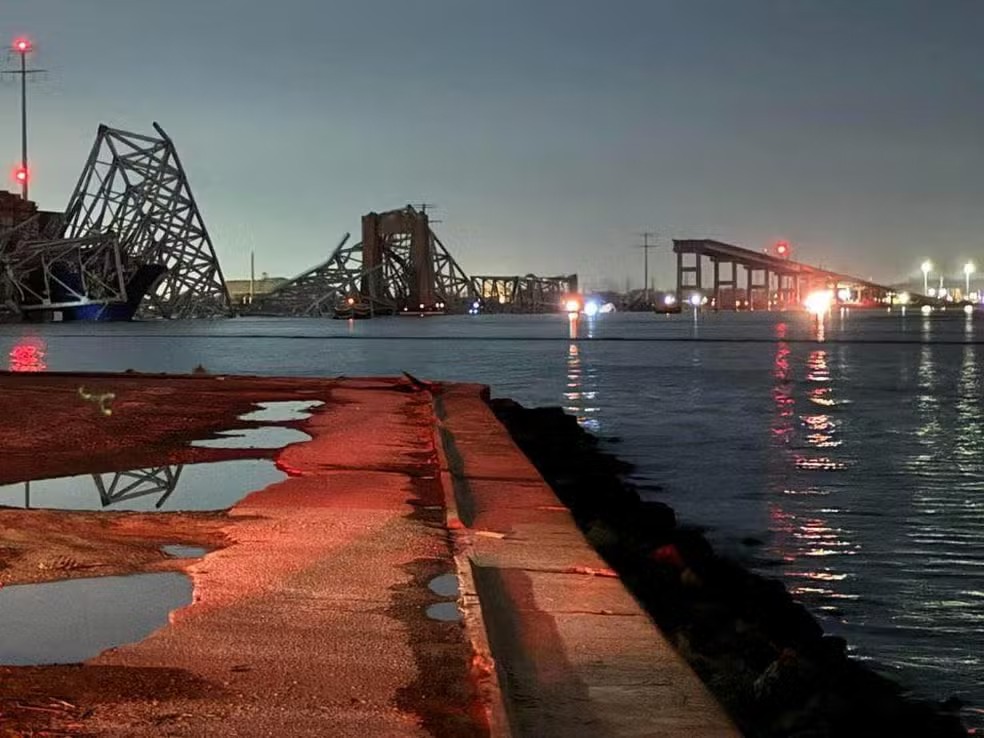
(548, 132)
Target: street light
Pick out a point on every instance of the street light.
(968, 270)
(927, 267)
(23, 46)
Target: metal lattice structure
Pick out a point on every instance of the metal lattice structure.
(131, 240)
(316, 292)
(48, 275)
(400, 264)
(528, 294)
(134, 186)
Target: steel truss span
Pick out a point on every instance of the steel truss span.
(134, 186)
(131, 240)
(401, 266)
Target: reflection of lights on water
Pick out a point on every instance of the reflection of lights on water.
(28, 356)
(820, 463)
(580, 402)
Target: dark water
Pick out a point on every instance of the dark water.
(74, 620)
(857, 461)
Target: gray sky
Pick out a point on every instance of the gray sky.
(548, 132)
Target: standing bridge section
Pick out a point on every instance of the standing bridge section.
(736, 278)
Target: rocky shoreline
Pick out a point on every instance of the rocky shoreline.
(764, 657)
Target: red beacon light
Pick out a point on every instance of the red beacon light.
(782, 249)
(22, 45)
(21, 175)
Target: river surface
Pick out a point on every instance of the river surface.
(846, 459)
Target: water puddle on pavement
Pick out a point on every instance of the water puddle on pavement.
(444, 611)
(445, 585)
(176, 487)
(267, 437)
(281, 412)
(76, 619)
(179, 551)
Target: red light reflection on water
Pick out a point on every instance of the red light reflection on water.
(28, 356)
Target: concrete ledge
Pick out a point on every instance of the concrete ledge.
(574, 653)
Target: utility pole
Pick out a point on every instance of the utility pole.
(645, 246)
(423, 207)
(23, 46)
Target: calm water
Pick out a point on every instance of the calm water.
(77, 619)
(856, 461)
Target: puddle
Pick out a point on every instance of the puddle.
(444, 611)
(74, 620)
(213, 486)
(445, 585)
(267, 437)
(179, 551)
(281, 412)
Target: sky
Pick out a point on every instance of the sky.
(549, 133)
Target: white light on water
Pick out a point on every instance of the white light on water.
(927, 309)
(969, 309)
(695, 300)
(591, 308)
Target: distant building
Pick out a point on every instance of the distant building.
(239, 289)
(14, 209)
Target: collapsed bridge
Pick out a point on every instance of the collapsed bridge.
(401, 266)
(130, 242)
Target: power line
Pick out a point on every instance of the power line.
(645, 246)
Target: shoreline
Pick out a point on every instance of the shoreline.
(762, 655)
(461, 480)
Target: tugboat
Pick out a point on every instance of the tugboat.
(353, 309)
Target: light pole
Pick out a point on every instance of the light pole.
(23, 46)
(968, 270)
(927, 267)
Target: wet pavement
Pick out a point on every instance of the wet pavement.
(329, 608)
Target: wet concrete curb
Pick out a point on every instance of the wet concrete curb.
(574, 654)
